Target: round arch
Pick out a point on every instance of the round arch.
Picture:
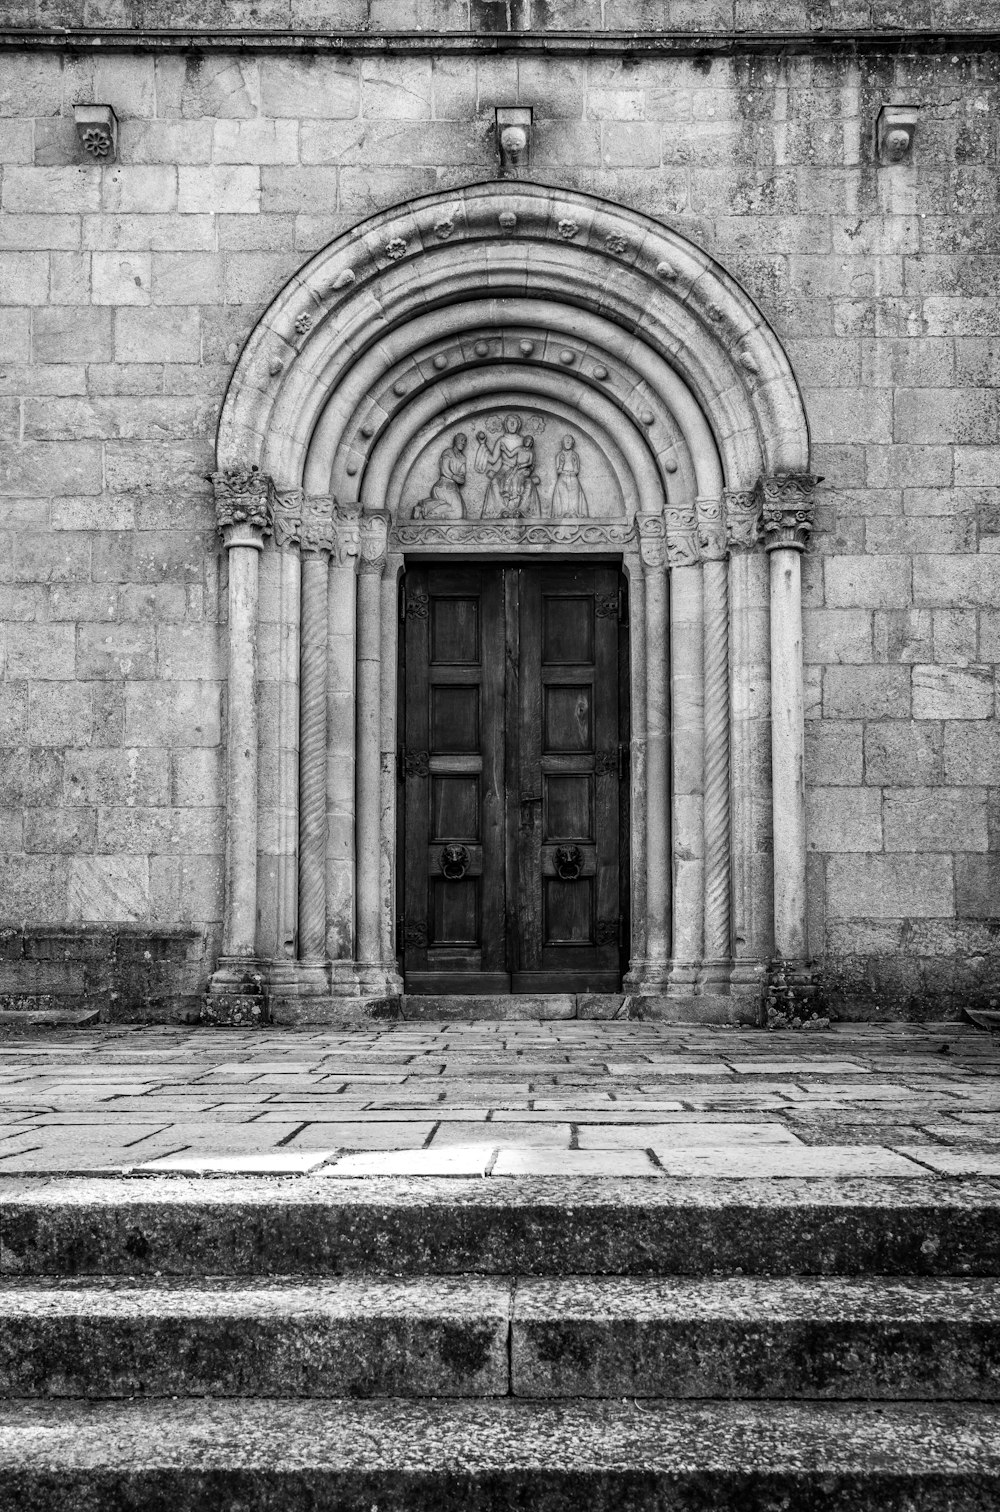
(498, 293)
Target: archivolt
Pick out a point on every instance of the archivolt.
(364, 304)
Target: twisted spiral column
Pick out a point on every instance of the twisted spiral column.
(312, 760)
(717, 840)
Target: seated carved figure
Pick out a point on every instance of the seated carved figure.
(446, 501)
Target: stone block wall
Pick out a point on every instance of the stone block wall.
(128, 290)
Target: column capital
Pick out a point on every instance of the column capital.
(683, 547)
(652, 532)
(317, 536)
(711, 530)
(374, 540)
(789, 503)
(244, 506)
(346, 535)
(743, 509)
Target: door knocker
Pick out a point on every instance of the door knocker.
(569, 862)
(455, 862)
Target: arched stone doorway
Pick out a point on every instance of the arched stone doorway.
(577, 322)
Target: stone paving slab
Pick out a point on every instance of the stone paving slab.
(861, 1098)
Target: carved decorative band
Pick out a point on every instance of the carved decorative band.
(470, 534)
(244, 505)
(789, 501)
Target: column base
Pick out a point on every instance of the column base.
(792, 994)
(238, 996)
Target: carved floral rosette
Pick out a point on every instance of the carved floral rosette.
(244, 505)
(789, 501)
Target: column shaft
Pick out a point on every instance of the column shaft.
(241, 755)
(369, 732)
(312, 760)
(787, 754)
(717, 944)
(658, 889)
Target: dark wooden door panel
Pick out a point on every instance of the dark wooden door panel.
(454, 922)
(568, 861)
(512, 774)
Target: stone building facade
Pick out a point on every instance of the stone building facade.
(734, 279)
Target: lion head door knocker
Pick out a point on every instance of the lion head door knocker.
(455, 862)
(569, 862)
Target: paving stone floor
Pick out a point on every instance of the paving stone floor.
(505, 1100)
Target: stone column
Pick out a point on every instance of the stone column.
(788, 501)
(750, 684)
(340, 756)
(244, 512)
(715, 590)
(649, 975)
(687, 696)
(317, 545)
(368, 797)
(282, 748)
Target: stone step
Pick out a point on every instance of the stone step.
(736, 1337)
(500, 1456)
(544, 1226)
(35, 1017)
(343, 1012)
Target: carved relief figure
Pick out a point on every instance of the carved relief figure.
(569, 502)
(504, 464)
(445, 501)
(525, 481)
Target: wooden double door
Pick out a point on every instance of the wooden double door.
(513, 813)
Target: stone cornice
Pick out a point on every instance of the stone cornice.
(719, 43)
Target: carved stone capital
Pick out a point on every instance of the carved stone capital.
(711, 530)
(244, 506)
(652, 540)
(346, 535)
(742, 518)
(288, 518)
(683, 548)
(789, 502)
(374, 539)
(317, 533)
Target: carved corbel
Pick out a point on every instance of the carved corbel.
(711, 530)
(374, 541)
(789, 503)
(742, 518)
(244, 506)
(652, 540)
(683, 549)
